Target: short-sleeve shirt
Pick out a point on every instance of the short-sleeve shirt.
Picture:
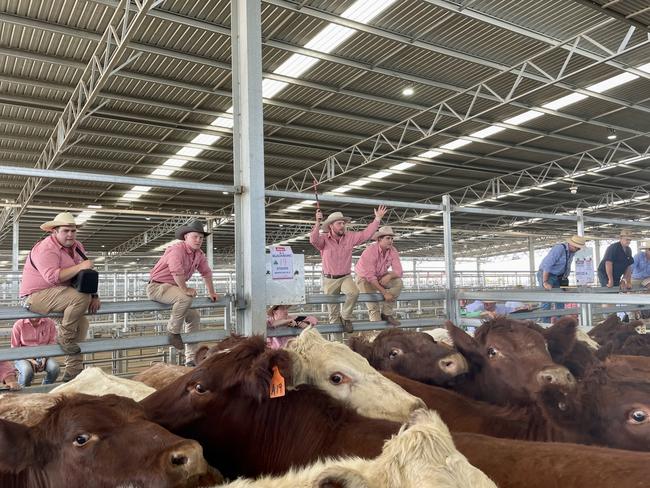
(641, 266)
(180, 260)
(620, 257)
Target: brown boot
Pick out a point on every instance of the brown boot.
(391, 320)
(176, 340)
(70, 347)
(347, 325)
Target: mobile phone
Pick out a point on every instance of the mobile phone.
(300, 318)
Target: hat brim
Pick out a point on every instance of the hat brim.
(52, 224)
(327, 222)
(180, 232)
(575, 244)
(379, 236)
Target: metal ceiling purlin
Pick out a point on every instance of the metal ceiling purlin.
(150, 235)
(103, 63)
(344, 161)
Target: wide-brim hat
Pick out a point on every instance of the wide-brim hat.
(272, 308)
(386, 230)
(64, 218)
(577, 241)
(194, 226)
(626, 234)
(333, 217)
(644, 245)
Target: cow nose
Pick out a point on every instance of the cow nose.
(555, 376)
(185, 461)
(453, 365)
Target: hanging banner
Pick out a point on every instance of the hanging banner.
(584, 266)
(281, 263)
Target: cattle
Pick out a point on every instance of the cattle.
(160, 375)
(412, 354)
(628, 343)
(27, 409)
(94, 381)
(332, 367)
(99, 443)
(605, 331)
(421, 455)
(509, 361)
(611, 403)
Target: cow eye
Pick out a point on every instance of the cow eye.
(638, 416)
(338, 378)
(81, 440)
(394, 353)
(492, 352)
(200, 389)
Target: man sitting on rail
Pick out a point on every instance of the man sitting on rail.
(46, 287)
(35, 332)
(168, 284)
(373, 275)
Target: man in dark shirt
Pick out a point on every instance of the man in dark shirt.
(615, 269)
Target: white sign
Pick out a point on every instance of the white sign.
(584, 266)
(281, 263)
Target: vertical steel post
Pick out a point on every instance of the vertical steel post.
(209, 244)
(248, 152)
(585, 309)
(15, 253)
(580, 222)
(531, 262)
(452, 305)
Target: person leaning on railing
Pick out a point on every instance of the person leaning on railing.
(46, 287)
(641, 266)
(168, 284)
(615, 269)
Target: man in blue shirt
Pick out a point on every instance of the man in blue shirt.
(555, 268)
(641, 266)
(615, 269)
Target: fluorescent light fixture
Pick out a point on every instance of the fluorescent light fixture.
(189, 151)
(408, 91)
(205, 139)
(380, 174)
(295, 66)
(366, 10)
(330, 38)
(488, 131)
(94, 206)
(523, 117)
(271, 88)
(359, 183)
(612, 82)
(163, 172)
(455, 144)
(564, 101)
(402, 166)
(175, 163)
(225, 122)
(635, 159)
(429, 154)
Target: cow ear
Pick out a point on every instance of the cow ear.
(340, 477)
(561, 337)
(465, 344)
(17, 445)
(360, 345)
(201, 353)
(257, 381)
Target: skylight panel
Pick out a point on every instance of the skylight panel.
(131, 195)
(456, 144)
(342, 189)
(271, 88)
(645, 68)
(366, 10)
(163, 172)
(523, 117)
(612, 82)
(330, 38)
(295, 65)
(206, 139)
(565, 101)
(142, 189)
(430, 154)
(380, 174)
(189, 151)
(402, 166)
(360, 182)
(175, 163)
(225, 122)
(488, 131)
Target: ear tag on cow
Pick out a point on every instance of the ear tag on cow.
(277, 384)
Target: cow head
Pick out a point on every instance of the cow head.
(345, 375)
(611, 404)
(99, 442)
(415, 355)
(605, 331)
(509, 362)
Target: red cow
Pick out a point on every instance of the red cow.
(99, 442)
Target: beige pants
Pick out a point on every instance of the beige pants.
(376, 309)
(337, 286)
(183, 318)
(74, 325)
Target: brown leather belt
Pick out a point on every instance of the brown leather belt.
(335, 277)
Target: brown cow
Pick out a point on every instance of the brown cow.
(246, 433)
(102, 443)
(415, 355)
(605, 331)
(509, 360)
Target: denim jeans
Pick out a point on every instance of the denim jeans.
(554, 281)
(26, 371)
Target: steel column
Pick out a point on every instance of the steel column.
(15, 251)
(209, 244)
(580, 223)
(248, 151)
(531, 261)
(452, 305)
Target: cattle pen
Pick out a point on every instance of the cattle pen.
(507, 140)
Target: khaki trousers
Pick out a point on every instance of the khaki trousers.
(336, 286)
(376, 309)
(183, 318)
(74, 325)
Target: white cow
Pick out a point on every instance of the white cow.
(422, 455)
(94, 381)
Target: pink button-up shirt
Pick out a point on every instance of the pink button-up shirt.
(24, 333)
(335, 251)
(179, 259)
(374, 263)
(48, 258)
(6, 368)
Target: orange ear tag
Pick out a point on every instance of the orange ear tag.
(277, 384)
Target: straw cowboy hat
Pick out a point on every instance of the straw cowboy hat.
(386, 230)
(644, 245)
(333, 218)
(577, 241)
(272, 308)
(626, 234)
(64, 218)
(194, 226)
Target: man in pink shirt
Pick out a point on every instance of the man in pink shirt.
(35, 332)
(45, 286)
(373, 275)
(168, 284)
(336, 245)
